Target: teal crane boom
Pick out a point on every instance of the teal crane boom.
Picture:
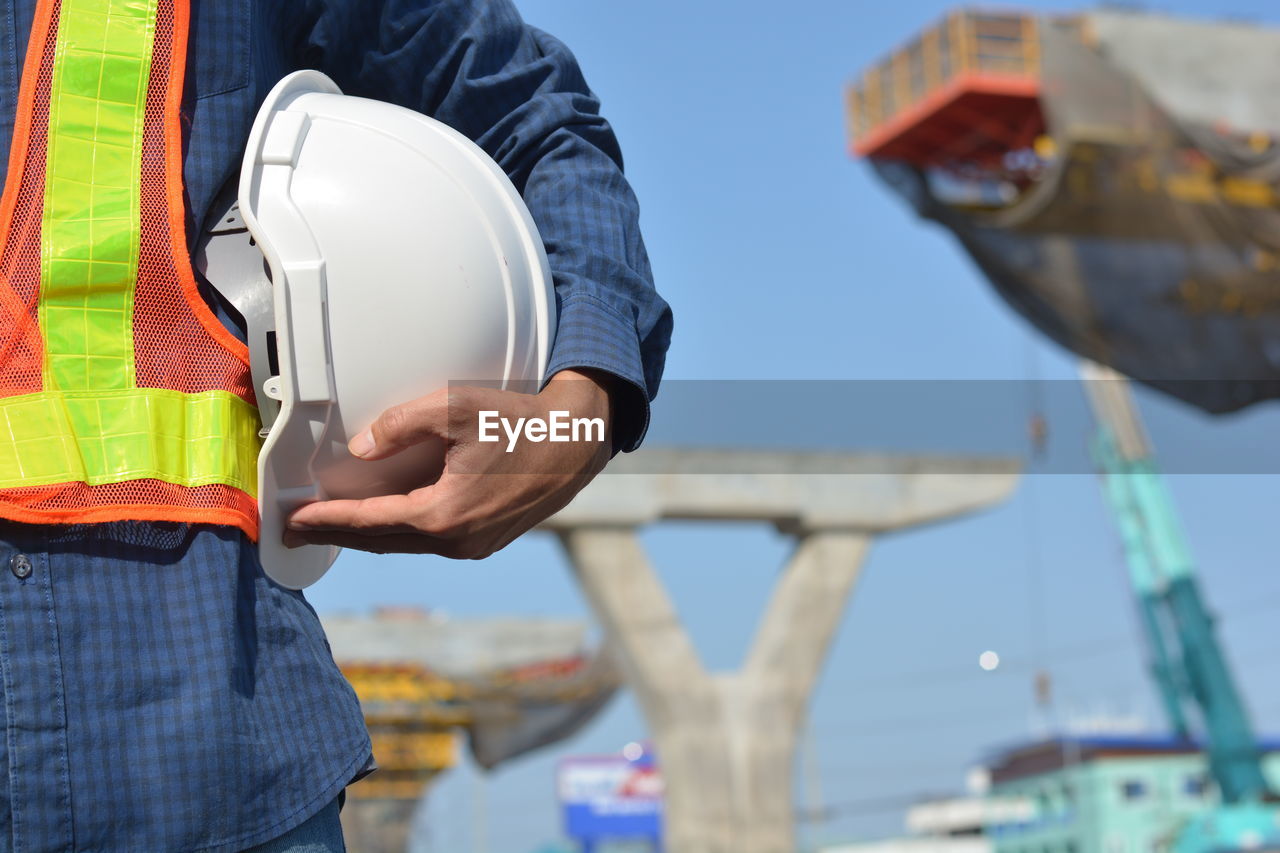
(1190, 670)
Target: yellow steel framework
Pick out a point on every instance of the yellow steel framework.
(412, 715)
(966, 42)
(968, 46)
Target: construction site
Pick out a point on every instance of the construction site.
(1114, 176)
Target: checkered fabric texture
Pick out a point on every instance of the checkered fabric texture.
(159, 693)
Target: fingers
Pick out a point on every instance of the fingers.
(373, 516)
(395, 543)
(419, 523)
(406, 425)
(466, 548)
(463, 514)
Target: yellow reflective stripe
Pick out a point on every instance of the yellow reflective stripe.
(91, 424)
(100, 437)
(90, 232)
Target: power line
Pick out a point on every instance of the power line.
(898, 769)
(1253, 607)
(1064, 654)
(1055, 657)
(916, 725)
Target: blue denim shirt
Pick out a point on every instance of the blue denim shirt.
(159, 693)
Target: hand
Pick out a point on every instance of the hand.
(486, 496)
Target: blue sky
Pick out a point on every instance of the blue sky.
(785, 260)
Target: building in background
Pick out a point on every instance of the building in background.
(1090, 794)
(952, 824)
(1104, 794)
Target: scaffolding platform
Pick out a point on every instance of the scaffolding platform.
(965, 90)
(1116, 175)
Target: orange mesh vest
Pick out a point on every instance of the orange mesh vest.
(121, 395)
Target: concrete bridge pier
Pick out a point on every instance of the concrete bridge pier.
(726, 742)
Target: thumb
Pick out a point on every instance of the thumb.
(403, 426)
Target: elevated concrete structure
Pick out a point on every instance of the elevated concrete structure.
(1221, 72)
(511, 684)
(726, 741)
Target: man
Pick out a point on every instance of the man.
(160, 693)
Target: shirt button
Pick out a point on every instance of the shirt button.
(20, 566)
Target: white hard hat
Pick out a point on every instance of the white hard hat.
(401, 258)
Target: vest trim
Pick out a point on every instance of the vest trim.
(82, 443)
(99, 437)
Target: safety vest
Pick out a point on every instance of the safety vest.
(121, 394)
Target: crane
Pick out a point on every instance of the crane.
(1191, 673)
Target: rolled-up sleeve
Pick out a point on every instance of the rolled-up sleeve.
(519, 93)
